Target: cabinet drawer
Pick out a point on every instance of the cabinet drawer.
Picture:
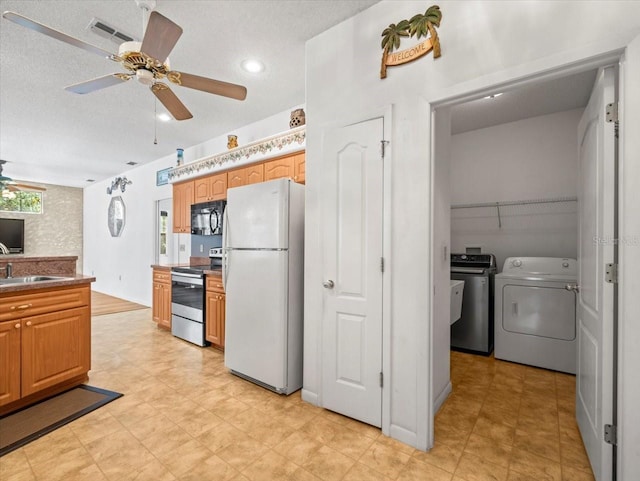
(16, 307)
(161, 276)
(214, 283)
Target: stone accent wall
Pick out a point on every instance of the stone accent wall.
(58, 230)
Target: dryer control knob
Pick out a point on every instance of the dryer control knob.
(517, 263)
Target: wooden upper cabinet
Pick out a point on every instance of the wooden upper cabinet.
(212, 187)
(183, 197)
(254, 173)
(299, 168)
(279, 168)
(236, 178)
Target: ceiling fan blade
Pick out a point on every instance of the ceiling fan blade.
(205, 84)
(63, 37)
(28, 187)
(98, 83)
(160, 37)
(170, 101)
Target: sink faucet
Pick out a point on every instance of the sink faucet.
(8, 270)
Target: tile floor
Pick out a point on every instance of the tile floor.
(185, 417)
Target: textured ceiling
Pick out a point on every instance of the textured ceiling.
(52, 136)
(542, 98)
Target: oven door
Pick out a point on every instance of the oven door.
(187, 296)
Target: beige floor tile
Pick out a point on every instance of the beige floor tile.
(534, 466)
(88, 429)
(14, 462)
(120, 448)
(575, 456)
(321, 429)
(498, 431)
(212, 469)
(418, 471)
(385, 459)
(572, 474)
(489, 449)
(360, 472)
(450, 435)
(53, 445)
(271, 466)
(441, 455)
(352, 444)
(475, 468)
(228, 408)
(222, 436)
(328, 464)
(298, 447)
(242, 453)
(185, 457)
(152, 471)
(543, 444)
(73, 464)
(22, 475)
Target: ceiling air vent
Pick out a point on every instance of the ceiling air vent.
(132, 163)
(102, 28)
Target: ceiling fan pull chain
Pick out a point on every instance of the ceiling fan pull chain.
(155, 121)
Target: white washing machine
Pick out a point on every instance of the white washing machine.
(535, 313)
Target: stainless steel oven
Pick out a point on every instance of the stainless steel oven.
(187, 304)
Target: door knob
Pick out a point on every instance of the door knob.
(573, 288)
(328, 284)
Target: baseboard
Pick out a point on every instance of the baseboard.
(310, 397)
(441, 398)
(403, 435)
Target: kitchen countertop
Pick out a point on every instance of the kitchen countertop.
(32, 286)
(167, 267)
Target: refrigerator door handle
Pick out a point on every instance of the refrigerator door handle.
(225, 252)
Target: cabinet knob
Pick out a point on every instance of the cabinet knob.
(28, 323)
(17, 326)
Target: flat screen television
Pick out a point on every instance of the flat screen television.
(12, 235)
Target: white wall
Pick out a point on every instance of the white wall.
(121, 265)
(483, 44)
(535, 158)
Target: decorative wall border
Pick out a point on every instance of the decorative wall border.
(260, 147)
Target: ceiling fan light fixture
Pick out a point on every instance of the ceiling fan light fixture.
(145, 77)
(252, 65)
(164, 117)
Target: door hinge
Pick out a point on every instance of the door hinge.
(382, 264)
(381, 379)
(611, 273)
(611, 434)
(611, 112)
(383, 145)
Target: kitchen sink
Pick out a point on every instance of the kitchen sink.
(30, 279)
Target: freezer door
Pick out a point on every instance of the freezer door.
(257, 216)
(256, 315)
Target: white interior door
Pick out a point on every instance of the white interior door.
(352, 322)
(594, 376)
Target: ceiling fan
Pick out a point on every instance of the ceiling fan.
(148, 62)
(8, 185)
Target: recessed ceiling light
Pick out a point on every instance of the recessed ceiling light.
(252, 66)
(164, 117)
(493, 96)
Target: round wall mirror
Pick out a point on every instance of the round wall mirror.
(116, 216)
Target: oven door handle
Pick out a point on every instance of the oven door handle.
(184, 274)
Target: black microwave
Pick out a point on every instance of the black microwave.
(206, 218)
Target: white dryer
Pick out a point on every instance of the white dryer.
(535, 313)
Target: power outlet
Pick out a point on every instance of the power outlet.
(183, 248)
(201, 248)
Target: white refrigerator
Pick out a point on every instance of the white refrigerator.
(263, 240)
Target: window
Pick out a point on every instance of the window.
(163, 233)
(29, 202)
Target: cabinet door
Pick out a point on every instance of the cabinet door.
(165, 306)
(183, 197)
(276, 169)
(55, 347)
(254, 173)
(201, 190)
(214, 328)
(218, 187)
(9, 361)
(156, 307)
(299, 168)
(236, 178)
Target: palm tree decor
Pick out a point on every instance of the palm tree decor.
(419, 26)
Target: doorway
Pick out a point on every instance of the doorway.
(550, 229)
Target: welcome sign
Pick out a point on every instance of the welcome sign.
(419, 26)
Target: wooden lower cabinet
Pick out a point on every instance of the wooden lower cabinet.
(215, 312)
(44, 346)
(161, 305)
